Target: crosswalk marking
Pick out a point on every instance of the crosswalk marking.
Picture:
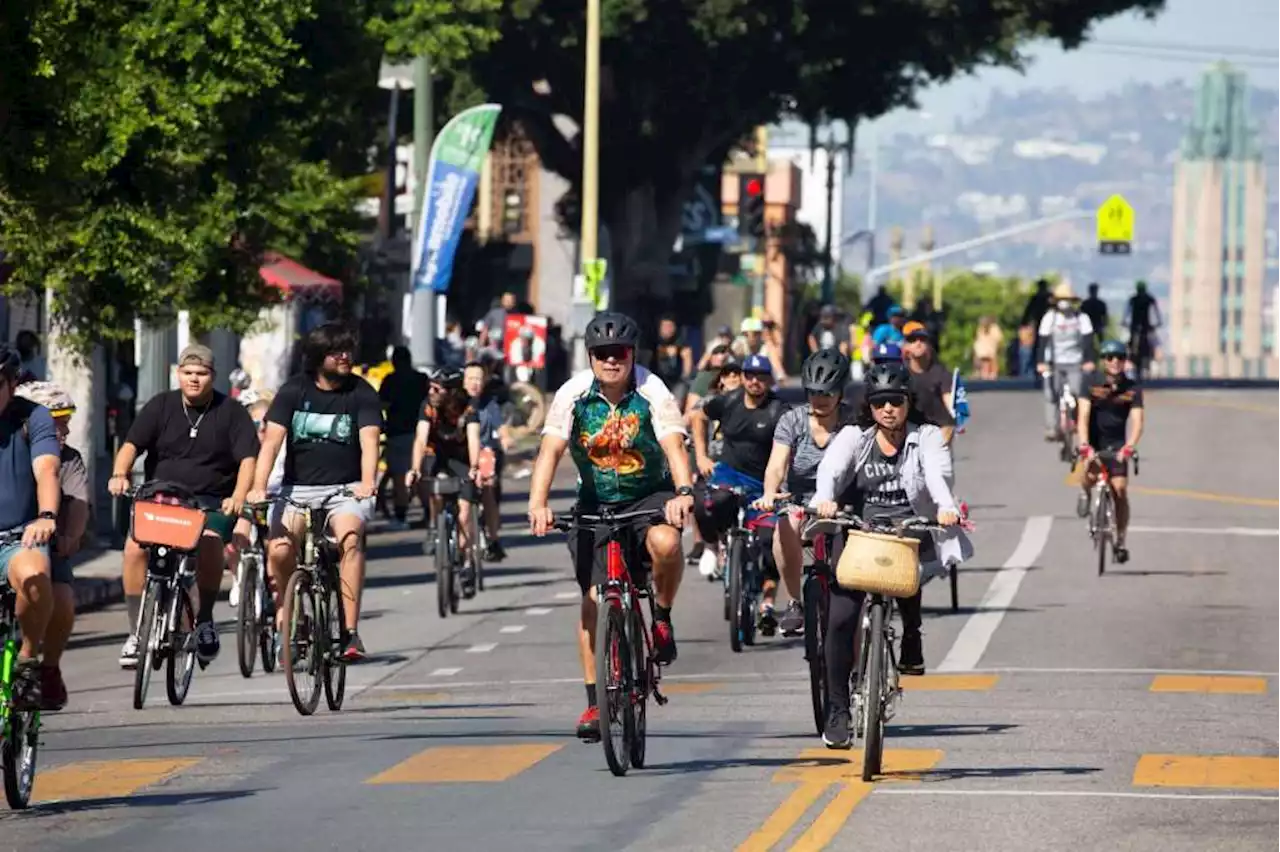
(1237, 772)
(455, 764)
(104, 779)
(538, 610)
(1212, 684)
(512, 628)
(445, 672)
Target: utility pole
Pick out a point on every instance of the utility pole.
(828, 285)
(591, 140)
(422, 345)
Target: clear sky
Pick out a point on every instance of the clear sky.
(1185, 38)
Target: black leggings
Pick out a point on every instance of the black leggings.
(843, 618)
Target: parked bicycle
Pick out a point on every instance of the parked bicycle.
(1102, 505)
(256, 619)
(168, 525)
(626, 671)
(20, 728)
(314, 627)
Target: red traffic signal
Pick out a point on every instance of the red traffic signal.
(753, 186)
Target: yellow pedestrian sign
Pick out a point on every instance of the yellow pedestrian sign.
(1115, 226)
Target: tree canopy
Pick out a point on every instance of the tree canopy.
(683, 82)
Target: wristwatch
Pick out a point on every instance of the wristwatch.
(47, 516)
(684, 491)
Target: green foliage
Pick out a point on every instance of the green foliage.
(154, 151)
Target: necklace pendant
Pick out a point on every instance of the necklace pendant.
(193, 431)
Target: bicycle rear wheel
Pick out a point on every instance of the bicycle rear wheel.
(18, 754)
(247, 632)
(444, 565)
(872, 688)
(613, 686)
(268, 633)
(643, 682)
(815, 622)
(1103, 525)
(735, 567)
(150, 630)
(301, 650)
(181, 662)
(335, 667)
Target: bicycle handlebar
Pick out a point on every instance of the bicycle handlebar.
(605, 518)
(342, 492)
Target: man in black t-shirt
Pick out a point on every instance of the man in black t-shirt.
(332, 422)
(402, 393)
(748, 417)
(1110, 418)
(205, 442)
(930, 381)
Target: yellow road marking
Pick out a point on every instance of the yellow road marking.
(1205, 495)
(104, 779)
(690, 688)
(818, 769)
(444, 764)
(1213, 684)
(949, 683)
(1193, 770)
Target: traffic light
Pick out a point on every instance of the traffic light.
(751, 205)
(512, 211)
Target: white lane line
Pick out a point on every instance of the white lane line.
(446, 672)
(482, 649)
(538, 610)
(564, 596)
(512, 628)
(981, 626)
(1078, 794)
(1250, 531)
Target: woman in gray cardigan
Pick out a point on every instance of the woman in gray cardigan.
(889, 468)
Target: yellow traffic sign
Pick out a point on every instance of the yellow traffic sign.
(1115, 226)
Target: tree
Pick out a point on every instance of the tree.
(154, 151)
(684, 82)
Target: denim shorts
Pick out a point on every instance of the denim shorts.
(8, 551)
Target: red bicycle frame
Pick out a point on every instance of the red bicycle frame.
(618, 585)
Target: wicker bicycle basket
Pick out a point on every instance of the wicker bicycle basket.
(881, 564)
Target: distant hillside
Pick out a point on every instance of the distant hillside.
(1037, 153)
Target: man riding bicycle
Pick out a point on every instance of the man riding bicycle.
(204, 441)
(625, 434)
(329, 423)
(1142, 318)
(1111, 418)
(748, 417)
(1066, 352)
(495, 438)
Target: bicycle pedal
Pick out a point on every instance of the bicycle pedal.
(659, 697)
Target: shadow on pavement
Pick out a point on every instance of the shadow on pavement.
(1116, 571)
(391, 707)
(714, 765)
(959, 773)
(144, 800)
(946, 730)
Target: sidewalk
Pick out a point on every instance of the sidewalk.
(98, 582)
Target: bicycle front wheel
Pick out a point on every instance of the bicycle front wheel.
(181, 662)
(444, 566)
(247, 628)
(150, 630)
(1103, 525)
(735, 567)
(335, 667)
(613, 686)
(872, 688)
(301, 650)
(814, 651)
(18, 754)
(643, 682)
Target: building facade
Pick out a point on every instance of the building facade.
(1215, 320)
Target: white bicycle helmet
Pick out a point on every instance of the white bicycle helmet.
(49, 394)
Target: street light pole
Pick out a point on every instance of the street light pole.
(422, 344)
(591, 139)
(828, 285)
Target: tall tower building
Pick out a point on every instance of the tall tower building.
(1215, 319)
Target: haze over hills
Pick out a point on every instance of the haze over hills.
(1040, 152)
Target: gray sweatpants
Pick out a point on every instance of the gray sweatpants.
(1053, 384)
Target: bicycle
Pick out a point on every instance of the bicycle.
(1067, 424)
(256, 619)
(20, 728)
(627, 672)
(1102, 516)
(313, 615)
(743, 578)
(167, 524)
(876, 688)
(447, 558)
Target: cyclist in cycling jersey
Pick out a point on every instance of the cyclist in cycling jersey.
(1111, 418)
(890, 467)
(801, 437)
(494, 437)
(445, 426)
(1066, 352)
(623, 430)
(748, 418)
(1142, 318)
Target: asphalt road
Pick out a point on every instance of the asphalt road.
(1062, 710)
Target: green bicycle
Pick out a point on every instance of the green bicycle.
(21, 728)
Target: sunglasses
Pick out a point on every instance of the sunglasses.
(1112, 357)
(895, 401)
(757, 377)
(611, 353)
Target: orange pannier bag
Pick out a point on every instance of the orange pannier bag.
(158, 524)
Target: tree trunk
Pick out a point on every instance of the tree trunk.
(643, 227)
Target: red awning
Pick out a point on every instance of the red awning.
(296, 280)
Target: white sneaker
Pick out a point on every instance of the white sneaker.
(708, 563)
(233, 597)
(129, 653)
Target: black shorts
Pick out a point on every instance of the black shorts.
(589, 557)
(1116, 467)
(454, 466)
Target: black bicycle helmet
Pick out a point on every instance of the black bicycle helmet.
(10, 362)
(1114, 347)
(449, 378)
(610, 328)
(888, 380)
(825, 371)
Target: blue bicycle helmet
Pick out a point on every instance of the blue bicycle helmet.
(1114, 347)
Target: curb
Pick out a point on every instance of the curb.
(94, 593)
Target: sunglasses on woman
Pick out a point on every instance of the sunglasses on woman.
(895, 401)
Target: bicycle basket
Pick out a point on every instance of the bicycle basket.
(157, 524)
(443, 485)
(880, 564)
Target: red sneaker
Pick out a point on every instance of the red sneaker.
(589, 725)
(664, 643)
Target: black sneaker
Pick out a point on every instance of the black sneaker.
(27, 693)
(695, 553)
(767, 620)
(1121, 554)
(836, 732)
(911, 656)
(494, 552)
(207, 643)
(353, 652)
(792, 621)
